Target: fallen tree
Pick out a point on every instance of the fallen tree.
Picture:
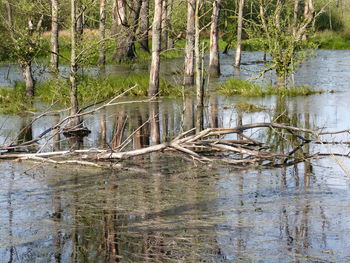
(209, 145)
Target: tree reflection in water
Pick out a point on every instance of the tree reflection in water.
(161, 208)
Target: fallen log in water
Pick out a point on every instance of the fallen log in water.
(209, 145)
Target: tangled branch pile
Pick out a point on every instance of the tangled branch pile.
(209, 145)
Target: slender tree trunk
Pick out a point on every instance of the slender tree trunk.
(144, 25)
(239, 34)
(156, 47)
(190, 39)
(9, 17)
(198, 70)
(197, 55)
(28, 78)
(79, 18)
(170, 14)
(295, 16)
(165, 25)
(214, 58)
(74, 67)
(102, 33)
(54, 36)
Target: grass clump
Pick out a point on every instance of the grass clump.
(91, 89)
(13, 99)
(249, 108)
(249, 89)
(245, 107)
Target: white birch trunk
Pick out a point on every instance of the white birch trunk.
(153, 89)
(239, 34)
(190, 39)
(54, 61)
(102, 34)
(214, 59)
(73, 66)
(165, 23)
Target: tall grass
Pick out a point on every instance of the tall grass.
(246, 88)
(95, 89)
(13, 100)
(332, 40)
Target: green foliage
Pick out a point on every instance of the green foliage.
(241, 87)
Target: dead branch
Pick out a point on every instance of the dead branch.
(208, 145)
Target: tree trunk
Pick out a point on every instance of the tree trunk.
(165, 25)
(28, 79)
(144, 25)
(214, 58)
(54, 36)
(239, 34)
(198, 70)
(170, 14)
(190, 39)
(281, 79)
(153, 89)
(79, 18)
(73, 67)
(197, 55)
(102, 33)
(124, 31)
(308, 14)
(295, 16)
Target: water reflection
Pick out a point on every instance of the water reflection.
(173, 214)
(161, 208)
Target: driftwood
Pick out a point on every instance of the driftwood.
(209, 145)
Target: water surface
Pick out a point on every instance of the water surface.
(163, 208)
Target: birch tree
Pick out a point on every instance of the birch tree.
(75, 121)
(102, 34)
(239, 34)
(165, 23)
(214, 58)
(54, 61)
(190, 39)
(153, 89)
(144, 25)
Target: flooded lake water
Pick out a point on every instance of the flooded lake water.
(163, 208)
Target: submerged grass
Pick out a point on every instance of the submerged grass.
(246, 88)
(249, 108)
(245, 107)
